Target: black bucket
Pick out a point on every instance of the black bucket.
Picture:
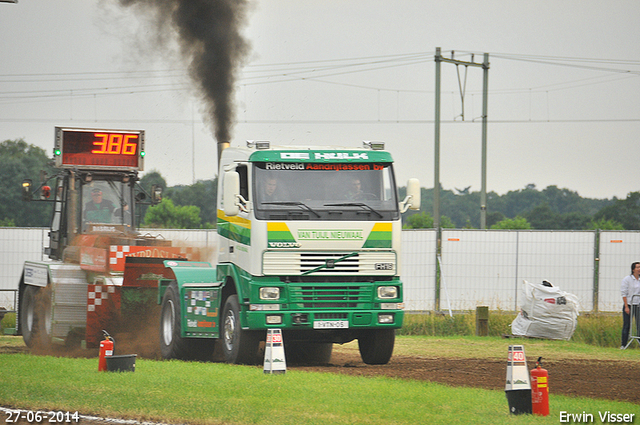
(123, 363)
(519, 401)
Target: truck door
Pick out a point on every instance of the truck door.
(229, 234)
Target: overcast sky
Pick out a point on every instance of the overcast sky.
(564, 86)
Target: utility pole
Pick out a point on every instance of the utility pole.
(436, 185)
(436, 144)
(485, 101)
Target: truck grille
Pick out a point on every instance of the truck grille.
(325, 297)
(293, 263)
(312, 260)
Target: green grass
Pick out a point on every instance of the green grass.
(198, 393)
(9, 321)
(211, 393)
(594, 329)
(202, 393)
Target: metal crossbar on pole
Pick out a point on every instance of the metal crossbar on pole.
(485, 88)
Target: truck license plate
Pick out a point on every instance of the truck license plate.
(331, 324)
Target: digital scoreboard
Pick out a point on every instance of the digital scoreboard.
(99, 149)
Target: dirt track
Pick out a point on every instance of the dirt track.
(613, 380)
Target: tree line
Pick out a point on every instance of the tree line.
(551, 208)
(194, 206)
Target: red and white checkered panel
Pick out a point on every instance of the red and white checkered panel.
(116, 256)
(97, 294)
(103, 306)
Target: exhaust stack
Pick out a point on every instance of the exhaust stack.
(222, 146)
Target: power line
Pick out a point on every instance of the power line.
(516, 56)
(342, 60)
(317, 71)
(313, 74)
(327, 122)
(574, 62)
(91, 75)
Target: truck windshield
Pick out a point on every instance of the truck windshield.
(327, 191)
(106, 202)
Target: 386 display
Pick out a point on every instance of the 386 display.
(77, 147)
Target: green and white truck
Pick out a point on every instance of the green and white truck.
(309, 243)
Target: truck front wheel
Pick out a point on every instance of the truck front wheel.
(240, 346)
(376, 346)
(172, 344)
(35, 316)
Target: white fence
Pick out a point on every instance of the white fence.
(479, 267)
(16, 246)
(418, 269)
(617, 251)
(488, 267)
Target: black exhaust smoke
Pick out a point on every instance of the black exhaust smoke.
(208, 33)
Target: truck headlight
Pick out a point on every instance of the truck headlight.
(387, 292)
(385, 318)
(269, 293)
(275, 319)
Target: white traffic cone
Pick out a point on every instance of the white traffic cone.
(274, 360)
(518, 387)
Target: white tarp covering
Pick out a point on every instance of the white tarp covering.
(546, 312)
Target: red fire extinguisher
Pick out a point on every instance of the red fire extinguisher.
(106, 349)
(539, 390)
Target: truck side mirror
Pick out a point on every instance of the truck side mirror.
(45, 192)
(231, 193)
(26, 190)
(412, 201)
(156, 194)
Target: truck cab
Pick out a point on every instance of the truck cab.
(310, 240)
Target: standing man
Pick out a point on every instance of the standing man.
(630, 286)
